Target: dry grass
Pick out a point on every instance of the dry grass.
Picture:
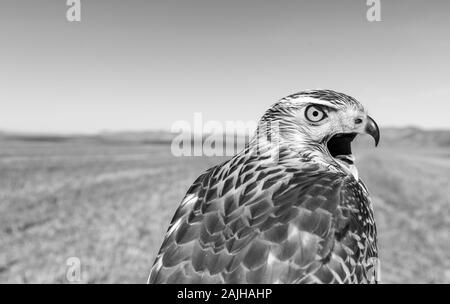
(411, 200)
(109, 204)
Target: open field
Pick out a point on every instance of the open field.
(109, 204)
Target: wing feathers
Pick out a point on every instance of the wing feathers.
(268, 225)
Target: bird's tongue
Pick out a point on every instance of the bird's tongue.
(340, 145)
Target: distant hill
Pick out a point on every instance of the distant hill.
(412, 136)
(409, 136)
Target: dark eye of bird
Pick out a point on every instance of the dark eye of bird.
(315, 113)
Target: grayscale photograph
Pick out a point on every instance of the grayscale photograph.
(224, 142)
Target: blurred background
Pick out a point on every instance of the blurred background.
(87, 108)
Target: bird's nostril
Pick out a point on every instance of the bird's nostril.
(358, 121)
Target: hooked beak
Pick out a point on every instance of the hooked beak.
(373, 130)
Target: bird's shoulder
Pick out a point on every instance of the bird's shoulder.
(248, 181)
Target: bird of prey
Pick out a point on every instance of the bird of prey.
(289, 208)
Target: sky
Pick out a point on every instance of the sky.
(142, 65)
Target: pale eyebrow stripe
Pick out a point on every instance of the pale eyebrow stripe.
(324, 103)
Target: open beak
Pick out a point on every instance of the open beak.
(340, 148)
(373, 130)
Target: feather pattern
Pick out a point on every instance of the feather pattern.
(307, 225)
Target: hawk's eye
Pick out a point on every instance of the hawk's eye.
(315, 114)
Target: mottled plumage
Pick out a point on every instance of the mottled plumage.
(274, 213)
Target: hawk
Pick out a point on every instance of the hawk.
(289, 208)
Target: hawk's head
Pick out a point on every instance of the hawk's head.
(321, 123)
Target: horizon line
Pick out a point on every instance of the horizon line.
(162, 130)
